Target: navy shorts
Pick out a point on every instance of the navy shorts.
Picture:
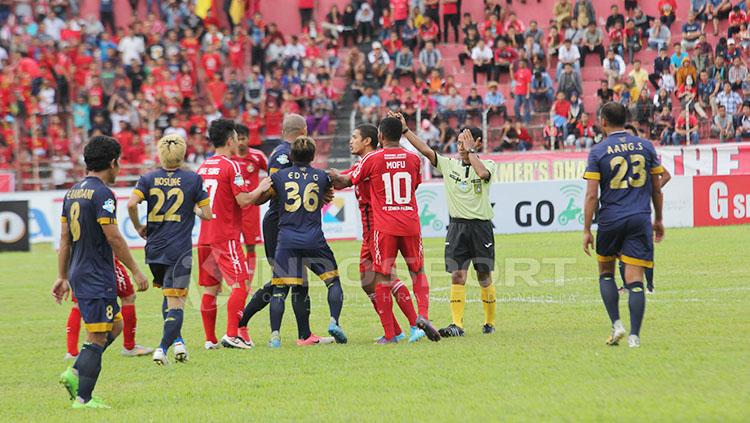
(631, 239)
(290, 264)
(99, 313)
(173, 279)
(270, 235)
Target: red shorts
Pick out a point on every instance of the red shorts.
(251, 226)
(224, 260)
(385, 247)
(124, 285)
(365, 253)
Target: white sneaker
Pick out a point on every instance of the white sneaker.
(137, 351)
(634, 341)
(180, 352)
(618, 332)
(211, 346)
(234, 342)
(160, 358)
(69, 356)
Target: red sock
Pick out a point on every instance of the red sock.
(73, 330)
(384, 303)
(403, 299)
(235, 305)
(208, 313)
(251, 263)
(129, 321)
(421, 293)
(396, 327)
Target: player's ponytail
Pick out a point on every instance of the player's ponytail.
(303, 149)
(171, 150)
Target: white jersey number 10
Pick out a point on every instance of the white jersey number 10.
(397, 188)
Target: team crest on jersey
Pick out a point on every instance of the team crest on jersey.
(283, 159)
(109, 205)
(238, 180)
(250, 168)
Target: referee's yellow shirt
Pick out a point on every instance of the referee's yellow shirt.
(468, 195)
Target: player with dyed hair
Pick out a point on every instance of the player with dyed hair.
(220, 254)
(363, 142)
(301, 243)
(622, 167)
(88, 238)
(394, 175)
(173, 197)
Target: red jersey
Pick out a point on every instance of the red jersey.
(250, 165)
(394, 175)
(362, 192)
(222, 179)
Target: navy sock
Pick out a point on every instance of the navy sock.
(89, 364)
(172, 326)
(258, 302)
(637, 305)
(278, 303)
(301, 306)
(335, 298)
(610, 295)
(650, 278)
(164, 309)
(621, 267)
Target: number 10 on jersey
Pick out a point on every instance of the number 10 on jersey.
(397, 188)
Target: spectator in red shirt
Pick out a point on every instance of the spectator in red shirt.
(667, 10)
(216, 89)
(428, 31)
(450, 17)
(521, 91)
(505, 56)
(211, 62)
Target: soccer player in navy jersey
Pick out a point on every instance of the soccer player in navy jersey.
(89, 237)
(298, 190)
(622, 167)
(173, 196)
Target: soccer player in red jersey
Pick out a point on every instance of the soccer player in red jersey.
(394, 174)
(219, 252)
(126, 293)
(251, 162)
(363, 142)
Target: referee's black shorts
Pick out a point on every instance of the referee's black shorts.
(470, 241)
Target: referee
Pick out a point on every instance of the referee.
(470, 237)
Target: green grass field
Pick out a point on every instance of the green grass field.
(547, 361)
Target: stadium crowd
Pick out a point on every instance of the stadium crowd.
(67, 77)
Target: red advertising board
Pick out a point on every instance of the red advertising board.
(712, 159)
(7, 182)
(721, 200)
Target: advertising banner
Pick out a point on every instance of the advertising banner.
(712, 159)
(14, 224)
(721, 200)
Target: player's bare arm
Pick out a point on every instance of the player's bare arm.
(61, 287)
(263, 192)
(204, 213)
(664, 177)
(121, 250)
(414, 140)
(338, 180)
(657, 197)
(245, 199)
(470, 145)
(592, 198)
(133, 213)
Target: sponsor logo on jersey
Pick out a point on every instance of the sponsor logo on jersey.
(238, 180)
(283, 159)
(109, 205)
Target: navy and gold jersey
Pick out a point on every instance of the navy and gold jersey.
(623, 164)
(171, 197)
(280, 159)
(86, 207)
(299, 191)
